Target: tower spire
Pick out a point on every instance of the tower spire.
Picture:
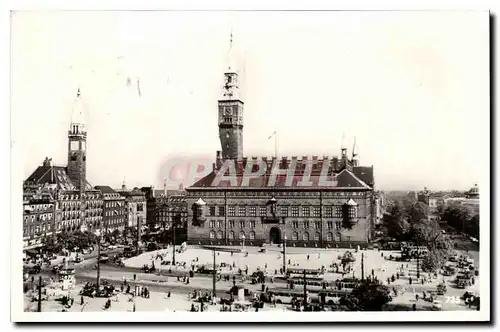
(229, 52)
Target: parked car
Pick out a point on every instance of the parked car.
(436, 305)
(104, 258)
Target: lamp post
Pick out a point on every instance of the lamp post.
(98, 233)
(284, 255)
(214, 276)
(243, 242)
(418, 260)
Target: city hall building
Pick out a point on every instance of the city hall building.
(309, 201)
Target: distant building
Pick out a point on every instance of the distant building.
(470, 200)
(432, 199)
(136, 206)
(39, 218)
(115, 216)
(473, 193)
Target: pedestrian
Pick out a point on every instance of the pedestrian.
(410, 280)
(265, 266)
(416, 297)
(397, 276)
(422, 281)
(414, 307)
(168, 295)
(81, 300)
(289, 261)
(135, 276)
(307, 257)
(128, 289)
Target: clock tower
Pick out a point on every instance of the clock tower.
(231, 115)
(77, 145)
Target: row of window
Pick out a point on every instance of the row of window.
(113, 204)
(113, 213)
(251, 211)
(339, 194)
(295, 236)
(39, 207)
(37, 217)
(295, 224)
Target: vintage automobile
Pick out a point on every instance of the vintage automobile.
(436, 305)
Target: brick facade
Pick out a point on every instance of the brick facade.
(316, 228)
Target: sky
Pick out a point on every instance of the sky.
(412, 87)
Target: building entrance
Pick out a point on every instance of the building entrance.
(275, 235)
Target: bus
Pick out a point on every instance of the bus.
(285, 296)
(332, 297)
(346, 283)
(310, 273)
(311, 281)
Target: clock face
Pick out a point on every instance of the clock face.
(228, 111)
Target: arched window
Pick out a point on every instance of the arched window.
(212, 234)
(316, 236)
(252, 235)
(305, 236)
(295, 236)
(231, 235)
(242, 234)
(329, 236)
(219, 234)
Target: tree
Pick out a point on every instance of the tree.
(395, 222)
(417, 212)
(367, 296)
(433, 261)
(456, 216)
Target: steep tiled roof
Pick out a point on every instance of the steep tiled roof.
(105, 189)
(170, 192)
(364, 173)
(344, 179)
(53, 175)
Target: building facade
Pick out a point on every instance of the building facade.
(136, 206)
(39, 219)
(288, 201)
(115, 214)
(78, 206)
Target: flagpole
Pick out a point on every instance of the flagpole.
(275, 134)
(276, 145)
